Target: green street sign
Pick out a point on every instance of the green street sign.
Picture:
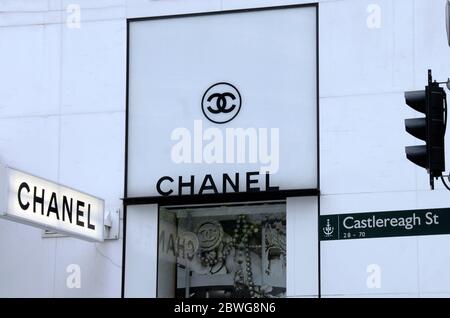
(384, 224)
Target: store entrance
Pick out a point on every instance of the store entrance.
(228, 251)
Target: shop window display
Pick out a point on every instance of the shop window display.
(222, 252)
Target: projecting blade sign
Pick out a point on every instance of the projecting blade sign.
(31, 200)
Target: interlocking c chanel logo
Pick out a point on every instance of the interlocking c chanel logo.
(209, 235)
(221, 103)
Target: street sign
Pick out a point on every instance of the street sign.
(384, 224)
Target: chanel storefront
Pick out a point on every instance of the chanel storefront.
(222, 191)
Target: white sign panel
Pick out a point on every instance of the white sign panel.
(223, 103)
(38, 202)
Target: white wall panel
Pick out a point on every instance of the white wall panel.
(92, 148)
(238, 4)
(100, 268)
(367, 202)
(93, 67)
(31, 144)
(430, 42)
(362, 144)
(434, 260)
(302, 247)
(29, 74)
(143, 8)
(357, 59)
(344, 266)
(27, 264)
(141, 251)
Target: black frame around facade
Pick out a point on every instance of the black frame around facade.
(212, 199)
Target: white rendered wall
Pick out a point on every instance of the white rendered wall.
(141, 251)
(62, 110)
(302, 247)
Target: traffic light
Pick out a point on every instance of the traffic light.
(431, 128)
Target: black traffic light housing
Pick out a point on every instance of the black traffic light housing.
(431, 128)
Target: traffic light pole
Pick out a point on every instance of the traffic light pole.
(445, 123)
(445, 116)
(430, 82)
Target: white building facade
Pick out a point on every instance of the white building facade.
(75, 80)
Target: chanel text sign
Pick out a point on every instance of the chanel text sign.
(234, 108)
(38, 202)
(384, 224)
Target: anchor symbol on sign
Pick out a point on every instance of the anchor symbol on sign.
(328, 229)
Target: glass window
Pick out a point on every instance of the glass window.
(222, 251)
